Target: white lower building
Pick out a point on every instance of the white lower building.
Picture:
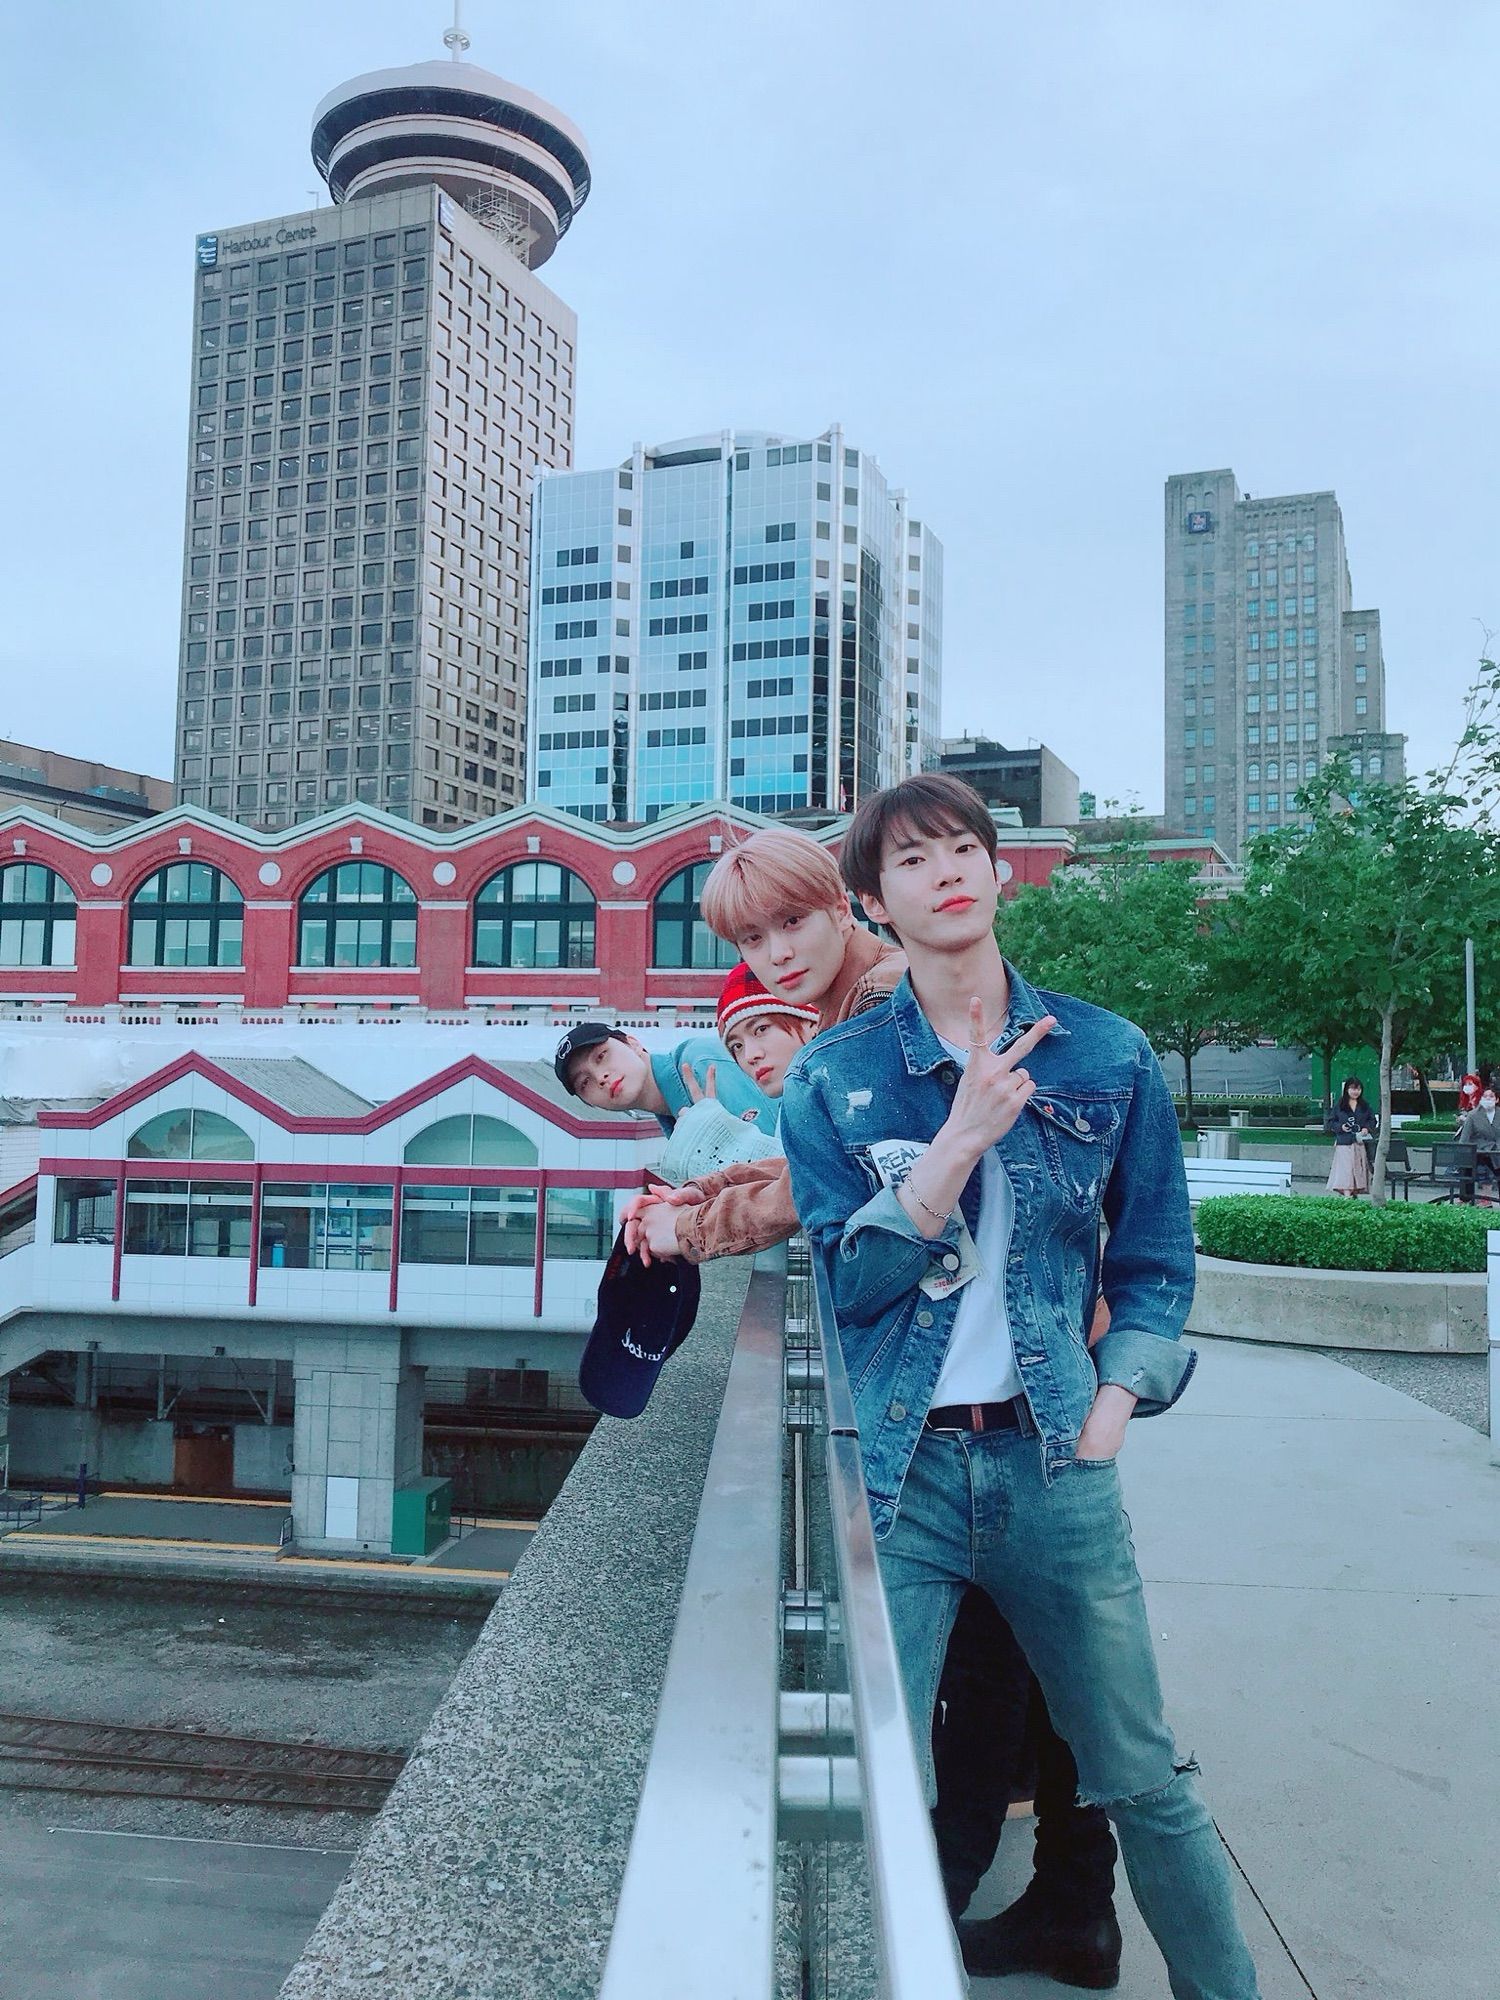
(323, 1232)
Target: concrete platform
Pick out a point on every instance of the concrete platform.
(496, 1550)
(131, 1516)
(1322, 1559)
(144, 1535)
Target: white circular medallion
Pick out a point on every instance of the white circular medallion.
(269, 873)
(1004, 870)
(443, 872)
(623, 872)
(101, 874)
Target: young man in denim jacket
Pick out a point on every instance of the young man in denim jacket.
(954, 1152)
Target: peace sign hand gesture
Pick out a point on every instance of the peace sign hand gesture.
(698, 1091)
(994, 1089)
(991, 1095)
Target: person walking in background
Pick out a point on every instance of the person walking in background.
(1352, 1123)
(1481, 1128)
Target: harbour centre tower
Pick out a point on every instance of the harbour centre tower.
(376, 384)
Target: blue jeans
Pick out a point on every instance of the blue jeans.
(1059, 1563)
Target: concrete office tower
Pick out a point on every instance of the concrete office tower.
(375, 386)
(742, 617)
(1266, 656)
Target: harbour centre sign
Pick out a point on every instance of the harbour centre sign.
(208, 247)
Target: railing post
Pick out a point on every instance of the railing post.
(1492, 1295)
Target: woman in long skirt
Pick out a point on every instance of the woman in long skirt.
(1349, 1122)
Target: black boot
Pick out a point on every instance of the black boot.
(978, 1741)
(1033, 1936)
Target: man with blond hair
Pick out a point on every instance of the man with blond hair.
(779, 898)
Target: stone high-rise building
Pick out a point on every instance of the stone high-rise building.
(375, 386)
(1267, 655)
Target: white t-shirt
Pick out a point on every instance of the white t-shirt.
(980, 1364)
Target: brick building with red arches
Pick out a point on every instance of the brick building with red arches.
(527, 914)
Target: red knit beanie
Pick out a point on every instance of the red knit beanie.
(744, 999)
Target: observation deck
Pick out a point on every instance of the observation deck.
(507, 156)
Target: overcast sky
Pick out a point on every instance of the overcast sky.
(1034, 258)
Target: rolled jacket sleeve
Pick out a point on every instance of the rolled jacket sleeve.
(883, 1256)
(1148, 1269)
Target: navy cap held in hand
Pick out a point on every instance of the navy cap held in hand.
(646, 1312)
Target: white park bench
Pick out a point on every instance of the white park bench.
(1206, 1177)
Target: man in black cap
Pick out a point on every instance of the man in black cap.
(612, 1071)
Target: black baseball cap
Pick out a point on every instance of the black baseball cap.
(582, 1035)
(646, 1312)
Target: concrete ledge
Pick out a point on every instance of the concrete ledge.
(189, 1570)
(495, 1866)
(1410, 1312)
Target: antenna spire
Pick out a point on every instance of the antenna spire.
(455, 41)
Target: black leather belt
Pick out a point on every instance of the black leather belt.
(977, 1416)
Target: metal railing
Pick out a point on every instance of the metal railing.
(782, 1813)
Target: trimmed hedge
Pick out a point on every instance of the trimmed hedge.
(1266, 1107)
(1331, 1233)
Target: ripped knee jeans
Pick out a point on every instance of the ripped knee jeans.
(1060, 1564)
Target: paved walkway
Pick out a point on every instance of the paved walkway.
(1322, 1558)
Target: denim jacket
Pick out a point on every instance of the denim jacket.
(1097, 1143)
(734, 1090)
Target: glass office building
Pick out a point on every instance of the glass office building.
(375, 386)
(1269, 664)
(742, 617)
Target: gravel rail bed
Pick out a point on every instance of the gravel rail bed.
(1455, 1384)
(227, 1659)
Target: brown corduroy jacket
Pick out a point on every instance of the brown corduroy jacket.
(749, 1206)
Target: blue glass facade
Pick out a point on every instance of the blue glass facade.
(737, 617)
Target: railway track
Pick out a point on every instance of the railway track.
(45, 1753)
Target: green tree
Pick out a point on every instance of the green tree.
(1472, 775)
(1138, 937)
(1355, 922)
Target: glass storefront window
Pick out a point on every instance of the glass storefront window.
(435, 1225)
(85, 1212)
(461, 1225)
(180, 1218)
(218, 1220)
(319, 1226)
(156, 1215)
(580, 1222)
(502, 1226)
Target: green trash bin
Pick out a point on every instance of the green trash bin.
(421, 1516)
